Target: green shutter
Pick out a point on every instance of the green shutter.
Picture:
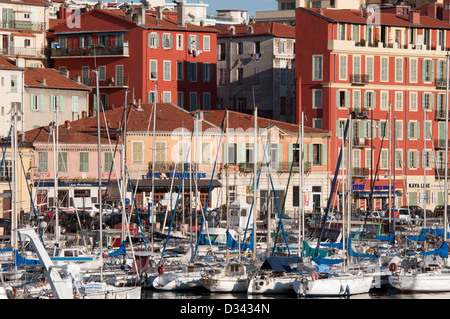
(52, 106)
(32, 101)
(41, 102)
(337, 99)
(310, 153)
(280, 155)
(61, 103)
(240, 156)
(290, 153)
(424, 78)
(224, 152)
(324, 154)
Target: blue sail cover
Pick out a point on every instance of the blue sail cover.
(233, 244)
(120, 251)
(424, 231)
(390, 238)
(353, 253)
(326, 261)
(441, 251)
(24, 261)
(281, 263)
(332, 245)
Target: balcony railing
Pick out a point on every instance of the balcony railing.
(108, 82)
(440, 115)
(360, 172)
(440, 143)
(359, 79)
(279, 166)
(23, 25)
(24, 51)
(360, 142)
(441, 83)
(90, 51)
(361, 113)
(439, 173)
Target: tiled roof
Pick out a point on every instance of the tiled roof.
(260, 28)
(31, 2)
(53, 79)
(237, 120)
(7, 64)
(390, 19)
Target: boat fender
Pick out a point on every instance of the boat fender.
(160, 270)
(314, 275)
(370, 251)
(393, 267)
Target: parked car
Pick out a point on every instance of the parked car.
(106, 209)
(439, 210)
(285, 219)
(417, 211)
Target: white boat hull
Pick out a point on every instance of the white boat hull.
(271, 285)
(423, 282)
(116, 293)
(174, 281)
(225, 284)
(342, 285)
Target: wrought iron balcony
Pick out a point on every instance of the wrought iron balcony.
(360, 172)
(440, 115)
(440, 143)
(90, 51)
(23, 25)
(441, 83)
(360, 142)
(359, 79)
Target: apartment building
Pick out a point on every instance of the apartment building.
(390, 75)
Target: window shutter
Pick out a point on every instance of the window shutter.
(324, 154)
(32, 101)
(348, 99)
(41, 102)
(337, 99)
(61, 103)
(52, 103)
(424, 72)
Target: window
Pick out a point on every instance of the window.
(167, 70)
(399, 130)
(317, 123)
(222, 77)
(384, 103)
(206, 43)
(342, 98)
(356, 65)
(85, 75)
(153, 40)
(427, 70)
(317, 68)
(153, 70)
(14, 83)
(240, 75)
(413, 160)
(356, 99)
(317, 154)
(384, 159)
(62, 162)
(413, 101)
(183, 148)
(119, 75)
(34, 102)
(193, 101)
(369, 67)
(207, 72)
(42, 162)
(355, 32)
(221, 51)
(137, 149)
(240, 47)
(369, 158)
(179, 42)
(160, 152)
(413, 130)
(107, 162)
(180, 99)
(206, 153)
(167, 41)
(102, 72)
(427, 101)
(180, 70)
(413, 70)
(383, 129)
(74, 104)
(341, 31)
(167, 97)
(206, 101)
(369, 100)
(192, 72)
(84, 162)
(399, 70)
(384, 74)
(342, 67)
(317, 98)
(398, 101)
(6, 172)
(282, 47)
(151, 96)
(340, 127)
(27, 43)
(427, 159)
(398, 159)
(282, 105)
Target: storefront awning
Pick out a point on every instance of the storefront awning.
(145, 185)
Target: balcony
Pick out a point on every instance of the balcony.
(22, 51)
(90, 51)
(24, 25)
(361, 113)
(440, 115)
(439, 173)
(441, 83)
(440, 143)
(108, 82)
(360, 172)
(360, 142)
(276, 166)
(359, 79)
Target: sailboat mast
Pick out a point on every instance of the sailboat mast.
(446, 153)
(152, 211)
(99, 174)
(255, 161)
(302, 180)
(227, 196)
(14, 210)
(124, 170)
(55, 169)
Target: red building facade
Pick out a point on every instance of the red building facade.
(389, 73)
(149, 54)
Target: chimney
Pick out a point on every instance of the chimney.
(158, 14)
(67, 124)
(181, 12)
(414, 17)
(431, 9)
(43, 81)
(83, 114)
(143, 13)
